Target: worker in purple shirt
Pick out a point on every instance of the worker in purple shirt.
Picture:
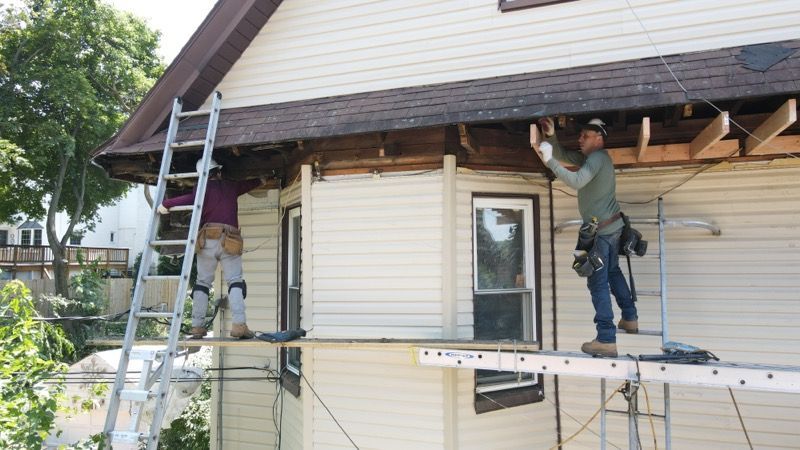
(219, 240)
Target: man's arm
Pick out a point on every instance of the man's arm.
(579, 179)
(246, 186)
(549, 132)
(185, 199)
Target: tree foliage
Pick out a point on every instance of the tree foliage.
(70, 73)
(29, 355)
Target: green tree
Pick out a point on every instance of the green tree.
(29, 355)
(71, 71)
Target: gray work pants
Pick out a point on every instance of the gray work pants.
(207, 259)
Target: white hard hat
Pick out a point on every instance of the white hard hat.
(211, 165)
(596, 125)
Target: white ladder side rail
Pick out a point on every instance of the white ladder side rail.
(164, 371)
(183, 284)
(144, 264)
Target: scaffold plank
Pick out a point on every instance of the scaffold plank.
(714, 374)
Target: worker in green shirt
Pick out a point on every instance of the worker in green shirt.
(595, 182)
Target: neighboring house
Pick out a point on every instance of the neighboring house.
(399, 135)
(116, 239)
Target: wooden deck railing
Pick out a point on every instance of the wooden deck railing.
(25, 255)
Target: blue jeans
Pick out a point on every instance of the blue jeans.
(609, 277)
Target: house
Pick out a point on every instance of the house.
(399, 137)
(116, 239)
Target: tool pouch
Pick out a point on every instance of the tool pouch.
(207, 232)
(630, 241)
(586, 259)
(232, 243)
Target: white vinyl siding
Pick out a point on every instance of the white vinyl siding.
(737, 295)
(247, 405)
(377, 250)
(311, 49)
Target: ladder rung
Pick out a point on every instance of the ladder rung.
(168, 242)
(178, 176)
(181, 208)
(161, 277)
(154, 315)
(184, 144)
(648, 293)
(125, 437)
(644, 332)
(199, 112)
(639, 413)
(135, 395)
(140, 354)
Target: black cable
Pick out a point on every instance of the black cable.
(741, 420)
(302, 375)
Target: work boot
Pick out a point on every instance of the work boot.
(198, 332)
(597, 348)
(240, 330)
(630, 326)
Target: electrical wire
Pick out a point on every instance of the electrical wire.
(686, 91)
(741, 420)
(650, 416)
(594, 416)
(303, 376)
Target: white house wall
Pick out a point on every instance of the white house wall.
(247, 418)
(737, 295)
(311, 49)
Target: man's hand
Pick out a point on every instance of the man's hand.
(162, 209)
(547, 126)
(546, 150)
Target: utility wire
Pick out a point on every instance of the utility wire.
(303, 376)
(741, 420)
(686, 92)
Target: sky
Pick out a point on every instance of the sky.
(175, 19)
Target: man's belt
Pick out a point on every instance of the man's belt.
(609, 221)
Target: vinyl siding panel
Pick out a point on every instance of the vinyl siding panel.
(310, 49)
(377, 255)
(246, 409)
(736, 295)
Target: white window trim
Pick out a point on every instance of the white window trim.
(529, 320)
(293, 277)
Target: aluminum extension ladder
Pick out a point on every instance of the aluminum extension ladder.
(166, 356)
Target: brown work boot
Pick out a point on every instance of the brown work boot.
(630, 326)
(597, 348)
(198, 332)
(240, 330)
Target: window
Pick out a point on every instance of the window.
(31, 237)
(511, 5)
(505, 300)
(3, 237)
(75, 239)
(291, 303)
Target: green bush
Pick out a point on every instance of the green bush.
(31, 376)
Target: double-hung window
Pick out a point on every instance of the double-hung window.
(292, 298)
(505, 303)
(3, 237)
(31, 237)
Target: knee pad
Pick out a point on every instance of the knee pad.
(201, 288)
(241, 285)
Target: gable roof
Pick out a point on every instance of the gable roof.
(201, 64)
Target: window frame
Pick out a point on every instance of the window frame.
(513, 393)
(5, 237)
(290, 374)
(515, 5)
